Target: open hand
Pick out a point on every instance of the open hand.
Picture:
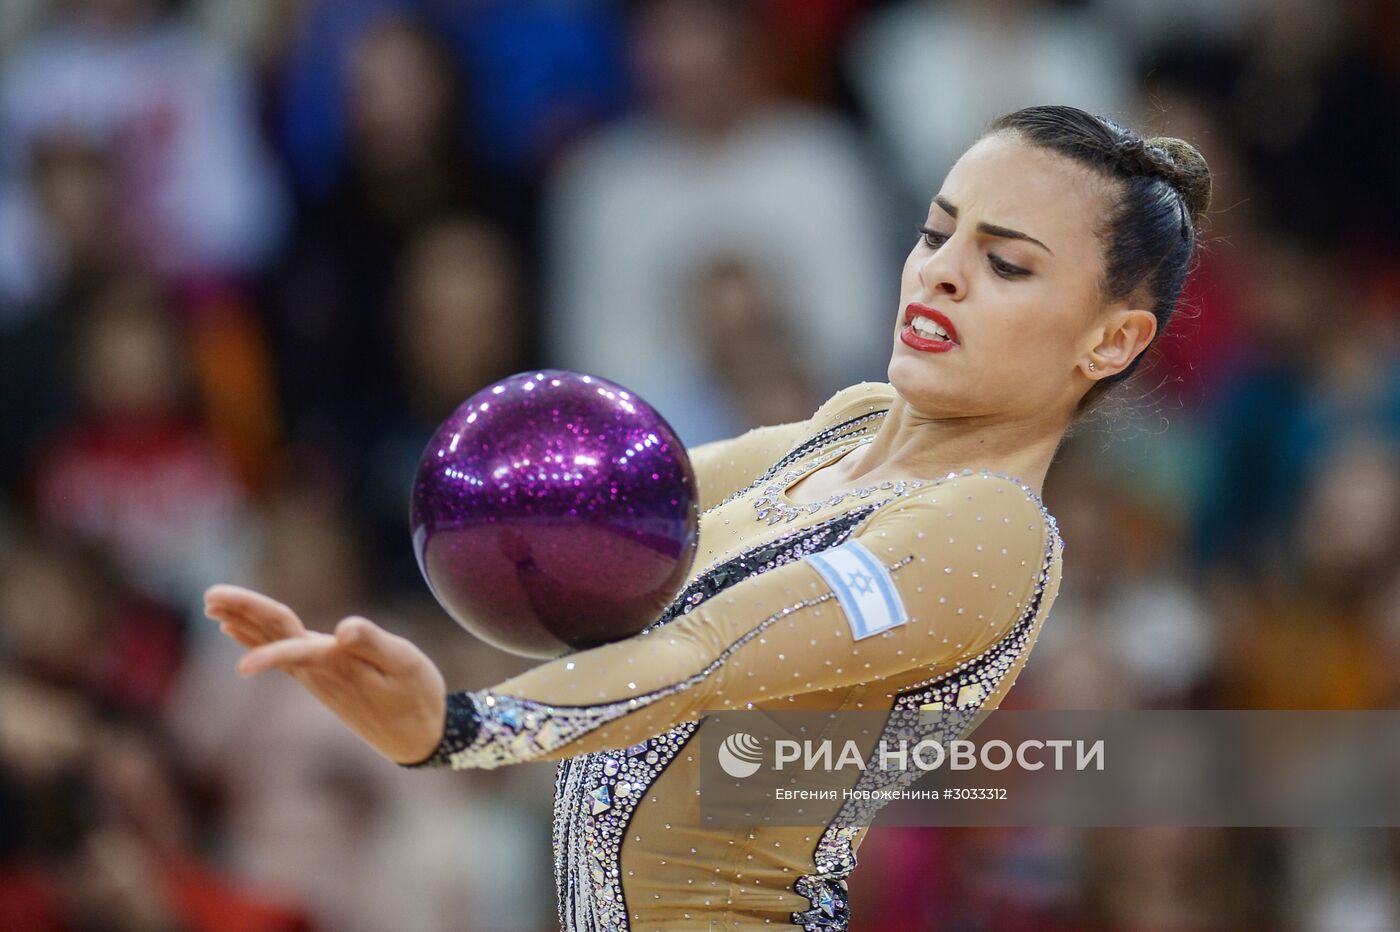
(381, 685)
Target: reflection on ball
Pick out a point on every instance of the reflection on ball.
(554, 511)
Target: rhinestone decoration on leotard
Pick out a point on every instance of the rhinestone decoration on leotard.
(511, 729)
(769, 506)
(591, 815)
(785, 549)
(597, 793)
(853, 427)
(957, 695)
(591, 818)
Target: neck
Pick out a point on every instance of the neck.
(911, 445)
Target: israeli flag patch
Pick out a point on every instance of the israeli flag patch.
(863, 586)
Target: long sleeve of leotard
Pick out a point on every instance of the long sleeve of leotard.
(723, 467)
(928, 579)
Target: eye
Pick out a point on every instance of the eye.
(932, 238)
(1006, 269)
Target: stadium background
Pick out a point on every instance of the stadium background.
(252, 252)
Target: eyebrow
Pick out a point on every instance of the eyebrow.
(991, 229)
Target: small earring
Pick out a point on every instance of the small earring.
(1092, 367)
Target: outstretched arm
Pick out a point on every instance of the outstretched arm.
(926, 582)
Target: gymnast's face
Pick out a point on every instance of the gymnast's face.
(1010, 256)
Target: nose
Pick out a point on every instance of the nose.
(941, 273)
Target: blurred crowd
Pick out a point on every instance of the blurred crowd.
(251, 253)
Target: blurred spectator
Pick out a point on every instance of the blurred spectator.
(1175, 879)
(136, 471)
(931, 75)
(1010, 880)
(736, 319)
(710, 166)
(460, 320)
(70, 622)
(191, 396)
(106, 839)
(1306, 389)
(408, 158)
(289, 775)
(1247, 502)
(1308, 81)
(80, 235)
(542, 73)
(538, 72)
(331, 301)
(1129, 631)
(1309, 641)
(73, 183)
(1307, 90)
(1149, 25)
(173, 111)
(805, 38)
(460, 324)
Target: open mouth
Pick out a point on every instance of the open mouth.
(928, 330)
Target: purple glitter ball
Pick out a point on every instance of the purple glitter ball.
(554, 511)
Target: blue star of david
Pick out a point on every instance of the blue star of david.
(860, 581)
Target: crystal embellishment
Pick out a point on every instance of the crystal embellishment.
(597, 793)
(583, 839)
(952, 701)
(770, 506)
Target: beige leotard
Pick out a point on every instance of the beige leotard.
(972, 563)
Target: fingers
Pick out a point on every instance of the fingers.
(276, 637)
(242, 635)
(371, 643)
(272, 617)
(288, 653)
(241, 628)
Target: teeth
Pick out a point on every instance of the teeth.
(926, 327)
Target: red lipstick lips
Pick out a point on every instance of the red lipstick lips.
(914, 340)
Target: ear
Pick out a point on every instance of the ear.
(1123, 334)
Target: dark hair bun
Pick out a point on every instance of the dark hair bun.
(1185, 169)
